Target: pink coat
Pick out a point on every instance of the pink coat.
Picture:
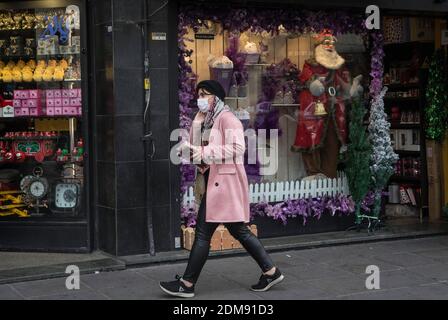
(227, 197)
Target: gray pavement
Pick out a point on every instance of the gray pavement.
(409, 269)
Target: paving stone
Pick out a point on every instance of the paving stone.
(41, 287)
(290, 289)
(148, 290)
(81, 294)
(401, 278)
(436, 272)
(315, 271)
(405, 259)
(359, 266)
(112, 279)
(437, 291)
(392, 294)
(435, 255)
(340, 285)
(8, 293)
(164, 272)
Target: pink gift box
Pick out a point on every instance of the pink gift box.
(57, 111)
(58, 102)
(49, 94)
(35, 94)
(69, 110)
(75, 102)
(50, 111)
(17, 112)
(80, 110)
(79, 93)
(21, 94)
(17, 94)
(73, 93)
(24, 103)
(65, 102)
(34, 112)
(17, 103)
(57, 93)
(50, 103)
(65, 93)
(25, 111)
(33, 103)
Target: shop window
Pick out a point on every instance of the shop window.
(261, 73)
(41, 114)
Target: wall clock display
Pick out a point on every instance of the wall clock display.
(67, 195)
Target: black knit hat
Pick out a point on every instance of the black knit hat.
(212, 86)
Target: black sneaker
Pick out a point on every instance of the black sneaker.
(177, 288)
(266, 282)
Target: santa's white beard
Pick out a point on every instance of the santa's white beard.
(329, 59)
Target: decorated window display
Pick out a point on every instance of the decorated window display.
(41, 114)
(318, 81)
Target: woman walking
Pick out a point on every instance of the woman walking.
(225, 196)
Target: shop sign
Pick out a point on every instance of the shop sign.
(158, 36)
(8, 112)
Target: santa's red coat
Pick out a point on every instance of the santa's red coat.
(311, 129)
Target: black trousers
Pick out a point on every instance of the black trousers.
(203, 234)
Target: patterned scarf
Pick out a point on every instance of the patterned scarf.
(217, 107)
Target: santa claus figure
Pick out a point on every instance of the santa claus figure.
(328, 88)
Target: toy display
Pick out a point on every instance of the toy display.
(42, 70)
(40, 108)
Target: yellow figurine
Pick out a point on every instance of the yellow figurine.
(31, 64)
(27, 75)
(58, 74)
(48, 74)
(38, 75)
(17, 75)
(42, 63)
(52, 63)
(7, 75)
(21, 63)
(63, 63)
(10, 65)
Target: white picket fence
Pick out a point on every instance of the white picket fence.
(283, 190)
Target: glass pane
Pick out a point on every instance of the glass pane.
(41, 136)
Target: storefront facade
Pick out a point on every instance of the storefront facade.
(131, 201)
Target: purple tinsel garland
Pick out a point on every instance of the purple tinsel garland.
(376, 64)
(259, 20)
(305, 208)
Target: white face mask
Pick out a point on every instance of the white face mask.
(203, 105)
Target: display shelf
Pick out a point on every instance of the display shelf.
(285, 105)
(257, 64)
(398, 86)
(55, 55)
(41, 82)
(401, 99)
(408, 153)
(406, 179)
(28, 138)
(405, 126)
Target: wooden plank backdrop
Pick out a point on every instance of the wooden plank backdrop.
(298, 49)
